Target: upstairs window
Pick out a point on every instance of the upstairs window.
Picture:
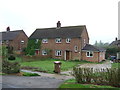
(44, 52)
(7, 41)
(89, 54)
(22, 41)
(58, 52)
(58, 40)
(76, 48)
(44, 40)
(68, 40)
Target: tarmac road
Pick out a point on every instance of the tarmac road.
(30, 82)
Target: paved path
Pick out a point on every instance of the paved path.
(64, 75)
(46, 80)
(30, 82)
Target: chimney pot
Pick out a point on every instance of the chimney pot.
(8, 29)
(58, 24)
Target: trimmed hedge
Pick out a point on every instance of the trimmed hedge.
(10, 67)
(101, 77)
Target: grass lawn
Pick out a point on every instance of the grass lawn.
(48, 64)
(72, 84)
(115, 65)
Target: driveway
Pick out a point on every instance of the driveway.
(106, 64)
(30, 82)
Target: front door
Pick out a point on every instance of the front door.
(37, 52)
(68, 55)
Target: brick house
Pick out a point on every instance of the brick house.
(63, 42)
(115, 43)
(16, 39)
(93, 53)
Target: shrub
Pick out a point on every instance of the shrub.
(103, 76)
(30, 74)
(11, 57)
(10, 67)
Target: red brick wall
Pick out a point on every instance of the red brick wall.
(85, 37)
(96, 57)
(16, 43)
(102, 56)
(63, 46)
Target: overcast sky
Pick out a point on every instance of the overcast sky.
(99, 16)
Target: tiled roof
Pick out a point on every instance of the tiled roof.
(89, 47)
(116, 43)
(9, 35)
(63, 32)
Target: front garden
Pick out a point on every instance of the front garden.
(47, 65)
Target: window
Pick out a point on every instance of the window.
(44, 40)
(89, 54)
(68, 40)
(7, 41)
(58, 52)
(58, 40)
(0, 42)
(84, 41)
(36, 40)
(44, 52)
(76, 48)
(22, 42)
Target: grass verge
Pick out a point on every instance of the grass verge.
(71, 83)
(30, 74)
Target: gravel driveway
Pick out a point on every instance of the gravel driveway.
(106, 64)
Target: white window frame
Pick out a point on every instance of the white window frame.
(76, 48)
(36, 40)
(45, 40)
(88, 53)
(0, 41)
(7, 41)
(58, 40)
(58, 53)
(22, 41)
(44, 52)
(68, 40)
(84, 41)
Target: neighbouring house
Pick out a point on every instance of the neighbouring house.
(16, 39)
(115, 43)
(62, 42)
(93, 53)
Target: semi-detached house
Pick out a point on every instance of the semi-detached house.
(65, 43)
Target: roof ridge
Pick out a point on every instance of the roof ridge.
(61, 27)
(11, 31)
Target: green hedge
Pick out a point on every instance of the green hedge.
(103, 76)
(10, 67)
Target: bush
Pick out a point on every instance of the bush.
(11, 57)
(30, 74)
(103, 76)
(10, 67)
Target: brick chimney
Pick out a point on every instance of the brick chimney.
(8, 29)
(58, 24)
